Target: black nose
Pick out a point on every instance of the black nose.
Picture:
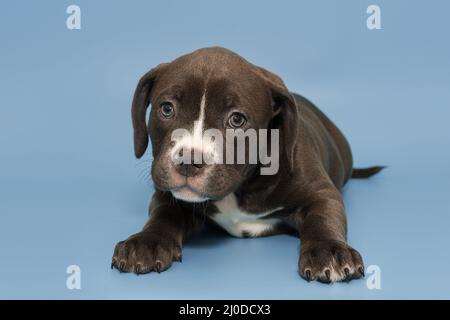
(190, 168)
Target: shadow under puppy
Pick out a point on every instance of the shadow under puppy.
(216, 88)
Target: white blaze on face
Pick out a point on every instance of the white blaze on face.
(193, 139)
(197, 135)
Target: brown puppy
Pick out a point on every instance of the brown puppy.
(216, 88)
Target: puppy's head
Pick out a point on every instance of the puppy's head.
(209, 90)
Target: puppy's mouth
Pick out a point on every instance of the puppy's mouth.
(188, 193)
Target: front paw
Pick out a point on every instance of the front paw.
(330, 261)
(146, 252)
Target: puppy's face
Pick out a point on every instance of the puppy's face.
(211, 90)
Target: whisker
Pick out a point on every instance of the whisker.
(144, 174)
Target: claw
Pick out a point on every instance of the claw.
(137, 268)
(361, 271)
(121, 265)
(112, 265)
(308, 275)
(328, 274)
(347, 272)
(158, 266)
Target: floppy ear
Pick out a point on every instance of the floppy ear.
(139, 107)
(285, 106)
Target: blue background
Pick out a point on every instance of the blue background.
(70, 187)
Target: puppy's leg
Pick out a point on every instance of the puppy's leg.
(325, 254)
(160, 241)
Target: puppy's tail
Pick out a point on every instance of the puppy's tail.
(363, 173)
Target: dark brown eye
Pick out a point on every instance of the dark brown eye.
(237, 120)
(167, 109)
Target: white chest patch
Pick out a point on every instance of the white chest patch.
(238, 223)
